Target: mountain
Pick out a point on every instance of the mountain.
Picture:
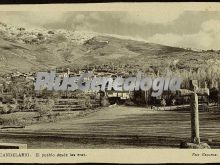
(27, 50)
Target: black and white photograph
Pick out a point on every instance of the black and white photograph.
(145, 79)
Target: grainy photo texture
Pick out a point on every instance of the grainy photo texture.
(154, 79)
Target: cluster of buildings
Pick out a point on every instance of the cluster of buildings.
(27, 80)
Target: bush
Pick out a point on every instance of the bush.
(11, 120)
(86, 102)
(39, 34)
(163, 102)
(45, 108)
(7, 108)
(105, 102)
(21, 29)
(50, 32)
(173, 102)
(214, 95)
(28, 103)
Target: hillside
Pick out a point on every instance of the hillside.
(27, 50)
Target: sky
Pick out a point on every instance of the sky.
(181, 28)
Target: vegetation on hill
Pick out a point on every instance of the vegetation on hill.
(38, 49)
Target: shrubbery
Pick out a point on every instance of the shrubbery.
(7, 108)
(45, 108)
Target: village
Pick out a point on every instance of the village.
(24, 109)
(18, 94)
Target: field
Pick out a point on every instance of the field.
(118, 127)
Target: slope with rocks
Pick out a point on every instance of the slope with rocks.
(27, 50)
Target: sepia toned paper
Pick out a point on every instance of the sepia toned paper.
(169, 112)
